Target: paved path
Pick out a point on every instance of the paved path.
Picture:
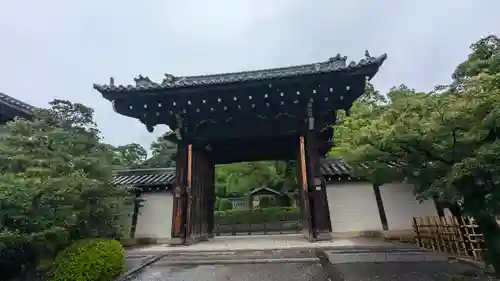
(318, 269)
(240, 272)
(291, 257)
(262, 242)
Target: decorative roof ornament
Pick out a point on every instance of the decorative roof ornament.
(169, 79)
(368, 59)
(143, 81)
(337, 62)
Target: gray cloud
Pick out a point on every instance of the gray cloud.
(59, 48)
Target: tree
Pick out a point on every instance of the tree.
(444, 143)
(485, 58)
(54, 185)
(164, 151)
(240, 178)
(130, 156)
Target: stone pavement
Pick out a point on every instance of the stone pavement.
(240, 272)
(291, 257)
(262, 242)
(313, 271)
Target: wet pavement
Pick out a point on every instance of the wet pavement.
(409, 271)
(403, 271)
(350, 260)
(235, 272)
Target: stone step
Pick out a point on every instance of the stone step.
(247, 256)
(365, 256)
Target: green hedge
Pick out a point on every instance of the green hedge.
(89, 260)
(225, 205)
(272, 214)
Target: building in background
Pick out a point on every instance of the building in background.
(11, 108)
(356, 206)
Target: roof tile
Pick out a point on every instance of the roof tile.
(336, 63)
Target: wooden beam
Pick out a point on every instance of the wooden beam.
(305, 209)
(439, 206)
(135, 214)
(380, 206)
(317, 190)
(179, 212)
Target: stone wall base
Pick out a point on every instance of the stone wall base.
(139, 241)
(392, 235)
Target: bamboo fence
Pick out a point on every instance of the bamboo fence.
(452, 235)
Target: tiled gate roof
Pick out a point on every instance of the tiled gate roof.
(16, 106)
(331, 167)
(144, 177)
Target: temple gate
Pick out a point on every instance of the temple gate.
(275, 114)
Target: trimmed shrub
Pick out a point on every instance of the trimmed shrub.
(89, 260)
(272, 214)
(225, 205)
(217, 204)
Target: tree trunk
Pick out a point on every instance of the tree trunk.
(474, 205)
(455, 210)
(491, 234)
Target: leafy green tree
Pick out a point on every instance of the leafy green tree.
(164, 151)
(54, 185)
(131, 155)
(444, 143)
(240, 178)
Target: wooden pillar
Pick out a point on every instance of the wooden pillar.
(135, 214)
(305, 205)
(210, 198)
(190, 198)
(179, 212)
(439, 206)
(380, 206)
(197, 193)
(203, 177)
(317, 190)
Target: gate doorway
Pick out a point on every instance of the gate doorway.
(274, 114)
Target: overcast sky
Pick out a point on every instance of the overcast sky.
(57, 49)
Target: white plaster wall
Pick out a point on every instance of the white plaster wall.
(155, 217)
(353, 207)
(401, 206)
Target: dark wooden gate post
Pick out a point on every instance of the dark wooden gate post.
(202, 183)
(317, 189)
(210, 197)
(305, 205)
(179, 212)
(197, 194)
